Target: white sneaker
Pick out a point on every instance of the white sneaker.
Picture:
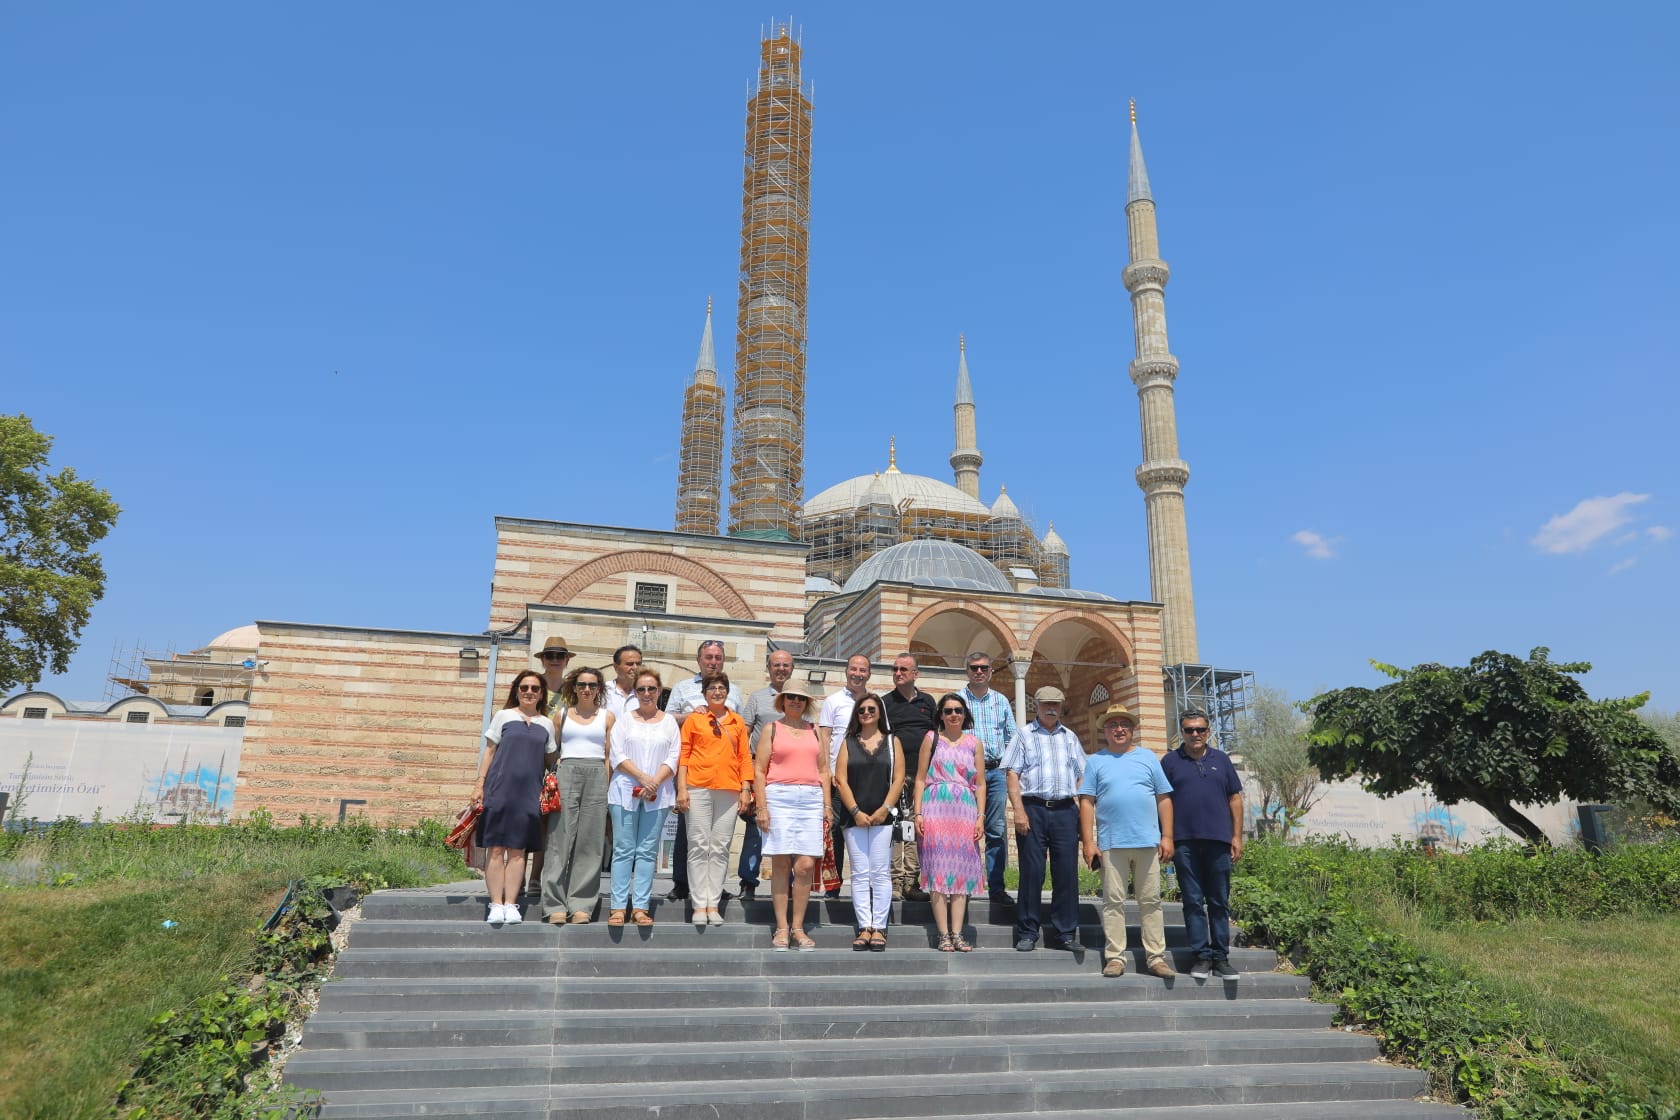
(510, 914)
(495, 917)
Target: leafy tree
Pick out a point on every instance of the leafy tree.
(1274, 752)
(50, 577)
(1499, 733)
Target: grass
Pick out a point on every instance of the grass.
(1602, 987)
(86, 964)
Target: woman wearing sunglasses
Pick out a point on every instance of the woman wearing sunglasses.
(646, 747)
(869, 773)
(714, 785)
(572, 865)
(950, 818)
(791, 780)
(509, 786)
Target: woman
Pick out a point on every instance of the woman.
(869, 773)
(509, 787)
(646, 747)
(572, 864)
(950, 818)
(791, 780)
(714, 783)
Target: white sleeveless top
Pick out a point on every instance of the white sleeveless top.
(584, 740)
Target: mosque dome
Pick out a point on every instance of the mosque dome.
(1005, 506)
(821, 586)
(930, 564)
(924, 494)
(240, 637)
(1053, 541)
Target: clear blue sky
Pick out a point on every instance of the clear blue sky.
(318, 290)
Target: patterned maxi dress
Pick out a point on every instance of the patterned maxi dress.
(950, 856)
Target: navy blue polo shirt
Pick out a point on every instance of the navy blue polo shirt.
(1201, 794)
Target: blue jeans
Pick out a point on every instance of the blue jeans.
(635, 851)
(1204, 884)
(1056, 832)
(997, 845)
(752, 853)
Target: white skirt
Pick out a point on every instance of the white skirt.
(796, 820)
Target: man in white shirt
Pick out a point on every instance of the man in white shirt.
(620, 695)
(689, 695)
(831, 727)
(1044, 765)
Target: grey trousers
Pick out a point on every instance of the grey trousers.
(571, 878)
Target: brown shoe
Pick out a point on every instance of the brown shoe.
(616, 918)
(558, 918)
(1116, 966)
(642, 918)
(580, 917)
(1161, 968)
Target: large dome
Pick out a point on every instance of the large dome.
(923, 493)
(930, 564)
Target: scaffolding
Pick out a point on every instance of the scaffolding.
(1224, 694)
(767, 466)
(700, 463)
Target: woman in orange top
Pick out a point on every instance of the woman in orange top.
(714, 786)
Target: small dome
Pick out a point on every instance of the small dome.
(821, 585)
(240, 637)
(1005, 506)
(924, 494)
(1053, 541)
(929, 564)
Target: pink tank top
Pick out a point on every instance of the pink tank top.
(793, 757)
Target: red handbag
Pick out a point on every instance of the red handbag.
(549, 802)
(466, 823)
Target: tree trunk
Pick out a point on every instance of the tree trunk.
(1507, 815)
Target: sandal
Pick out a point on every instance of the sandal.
(779, 941)
(960, 945)
(802, 941)
(945, 945)
(877, 942)
(616, 918)
(641, 918)
(860, 943)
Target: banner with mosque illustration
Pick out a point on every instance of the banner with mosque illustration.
(164, 772)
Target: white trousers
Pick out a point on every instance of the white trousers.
(711, 826)
(869, 850)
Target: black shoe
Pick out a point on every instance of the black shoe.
(1223, 969)
(724, 896)
(678, 893)
(916, 894)
(749, 889)
(998, 898)
(835, 893)
(1062, 946)
(1025, 945)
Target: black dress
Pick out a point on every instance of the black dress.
(513, 787)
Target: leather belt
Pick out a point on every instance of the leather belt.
(1048, 802)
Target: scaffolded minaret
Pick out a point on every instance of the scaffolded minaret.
(1162, 474)
(965, 460)
(700, 464)
(767, 463)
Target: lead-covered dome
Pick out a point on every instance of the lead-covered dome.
(924, 494)
(930, 564)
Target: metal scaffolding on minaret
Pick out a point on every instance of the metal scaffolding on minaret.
(700, 462)
(767, 462)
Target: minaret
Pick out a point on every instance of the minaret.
(965, 460)
(700, 464)
(767, 465)
(1162, 474)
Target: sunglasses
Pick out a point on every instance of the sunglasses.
(556, 655)
(794, 697)
(587, 684)
(537, 691)
(717, 728)
(979, 668)
(869, 711)
(647, 689)
(1194, 730)
(952, 712)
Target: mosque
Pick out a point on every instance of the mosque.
(388, 721)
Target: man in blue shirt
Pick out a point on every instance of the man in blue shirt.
(1126, 829)
(994, 726)
(1207, 831)
(1045, 762)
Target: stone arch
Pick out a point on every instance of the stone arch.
(573, 583)
(1097, 622)
(1000, 630)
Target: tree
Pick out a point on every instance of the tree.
(1499, 733)
(50, 577)
(1273, 743)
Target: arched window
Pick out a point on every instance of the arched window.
(206, 697)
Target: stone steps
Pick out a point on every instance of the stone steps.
(432, 1012)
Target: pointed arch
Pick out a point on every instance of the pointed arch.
(573, 583)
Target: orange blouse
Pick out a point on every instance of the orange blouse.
(716, 759)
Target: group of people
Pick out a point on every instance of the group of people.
(934, 775)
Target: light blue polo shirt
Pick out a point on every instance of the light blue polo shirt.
(1125, 787)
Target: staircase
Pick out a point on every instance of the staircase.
(431, 1012)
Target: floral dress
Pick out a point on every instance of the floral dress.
(950, 855)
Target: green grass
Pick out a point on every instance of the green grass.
(1602, 987)
(85, 963)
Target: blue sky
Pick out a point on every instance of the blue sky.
(318, 290)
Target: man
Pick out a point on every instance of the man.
(1126, 829)
(911, 714)
(555, 657)
(831, 728)
(1207, 833)
(688, 695)
(994, 726)
(1043, 766)
(760, 710)
(620, 695)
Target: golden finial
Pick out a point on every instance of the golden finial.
(1003, 489)
(892, 454)
(1134, 110)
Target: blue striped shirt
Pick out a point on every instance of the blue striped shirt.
(994, 721)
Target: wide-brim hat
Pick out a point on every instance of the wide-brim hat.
(555, 644)
(791, 689)
(1117, 711)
